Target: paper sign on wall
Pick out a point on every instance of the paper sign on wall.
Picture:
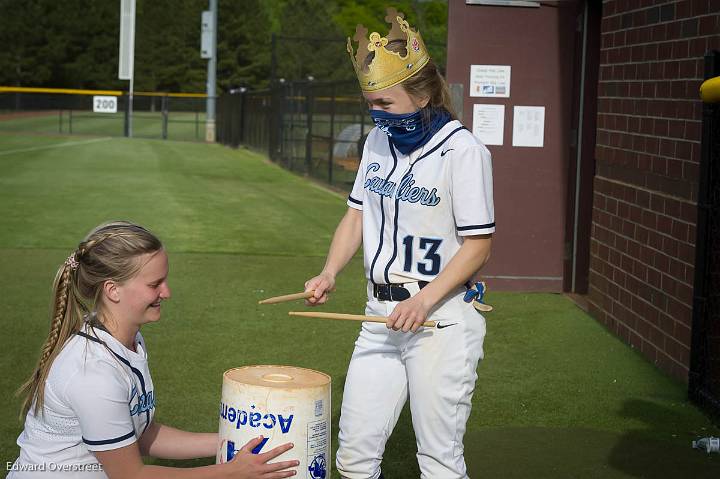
(528, 126)
(489, 123)
(492, 81)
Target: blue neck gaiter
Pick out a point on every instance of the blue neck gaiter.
(409, 131)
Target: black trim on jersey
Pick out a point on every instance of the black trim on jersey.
(476, 227)
(142, 386)
(91, 338)
(382, 213)
(135, 370)
(397, 200)
(109, 441)
(395, 230)
(432, 150)
(353, 200)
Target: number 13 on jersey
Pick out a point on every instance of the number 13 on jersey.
(430, 262)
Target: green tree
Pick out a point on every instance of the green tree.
(62, 44)
(244, 32)
(23, 38)
(428, 17)
(89, 31)
(74, 43)
(310, 43)
(167, 46)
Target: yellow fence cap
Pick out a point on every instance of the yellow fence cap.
(710, 90)
(62, 91)
(72, 91)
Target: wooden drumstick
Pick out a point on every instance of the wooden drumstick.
(349, 317)
(485, 308)
(287, 297)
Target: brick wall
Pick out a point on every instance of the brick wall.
(646, 182)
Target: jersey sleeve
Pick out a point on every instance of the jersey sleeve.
(100, 398)
(355, 199)
(471, 189)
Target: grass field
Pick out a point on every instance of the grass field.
(557, 396)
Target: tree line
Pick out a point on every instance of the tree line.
(74, 43)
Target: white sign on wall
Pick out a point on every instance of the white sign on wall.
(529, 126)
(105, 104)
(491, 81)
(489, 123)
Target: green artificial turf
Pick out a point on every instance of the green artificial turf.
(557, 395)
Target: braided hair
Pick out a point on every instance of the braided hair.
(108, 253)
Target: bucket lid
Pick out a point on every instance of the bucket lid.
(283, 377)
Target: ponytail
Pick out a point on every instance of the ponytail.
(65, 321)
(109, 253)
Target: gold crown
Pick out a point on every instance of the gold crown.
(387, 68)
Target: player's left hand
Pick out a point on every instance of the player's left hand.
(409, 315)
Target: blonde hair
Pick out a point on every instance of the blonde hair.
(425, 83)
(108, 253)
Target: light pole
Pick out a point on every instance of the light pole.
(208, 50)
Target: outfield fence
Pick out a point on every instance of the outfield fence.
(313, 128)
(174, 116)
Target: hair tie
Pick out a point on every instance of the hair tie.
(90, 317)
(72, 262)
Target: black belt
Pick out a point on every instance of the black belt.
(394, 292)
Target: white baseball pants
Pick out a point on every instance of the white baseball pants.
(435, 367)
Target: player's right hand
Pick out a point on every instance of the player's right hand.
(323, 284)
(247, 465)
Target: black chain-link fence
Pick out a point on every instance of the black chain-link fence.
(313, 128)
(704, 378)
(155, 115)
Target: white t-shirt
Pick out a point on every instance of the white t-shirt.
(98, 396)
(416, 208)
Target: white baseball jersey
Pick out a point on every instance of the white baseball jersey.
(416, 208)
(95, 400)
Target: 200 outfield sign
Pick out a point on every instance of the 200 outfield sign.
(104, 104)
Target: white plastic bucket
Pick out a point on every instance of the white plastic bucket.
(283, 404)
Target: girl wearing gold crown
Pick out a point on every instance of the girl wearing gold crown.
(422, 208)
